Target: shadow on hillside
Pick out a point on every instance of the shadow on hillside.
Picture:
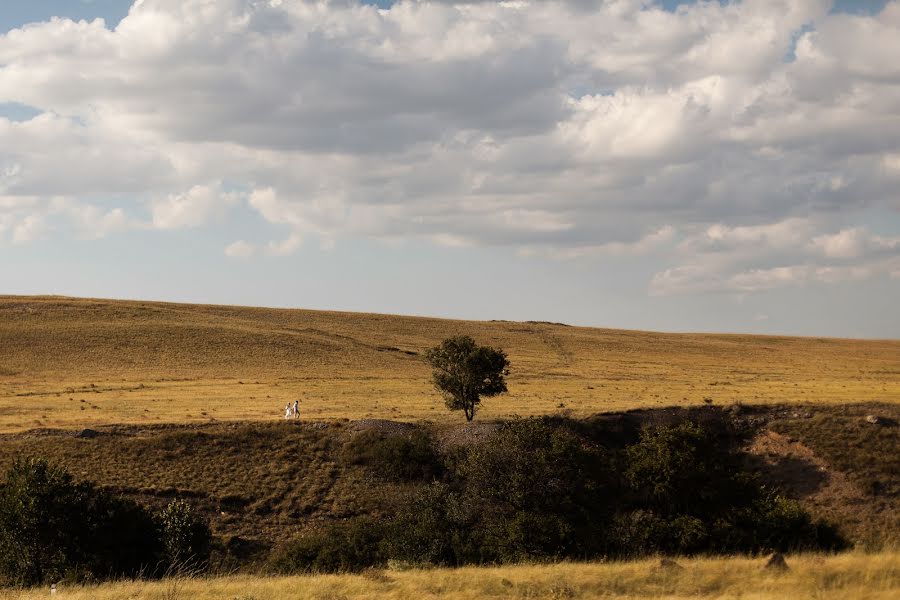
(796, 477)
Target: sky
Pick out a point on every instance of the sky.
(674, 166)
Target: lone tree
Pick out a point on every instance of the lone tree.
(465, 371)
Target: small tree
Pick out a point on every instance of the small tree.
(53, 528)
(465, 371)
(186, 536)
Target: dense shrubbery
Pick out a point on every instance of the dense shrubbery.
(406, 456)
(691, 493)
(342, 547)
(539, 489)
(53, 528)
(542, 489)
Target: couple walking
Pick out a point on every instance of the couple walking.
(292, 411)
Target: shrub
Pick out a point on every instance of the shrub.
(542, 490)
(435, 526)
(52, 528)
(693, 494)
(186, 536)
(774, 523)
(339, 548)
(681, 468)
(407, 456)
(643, 532)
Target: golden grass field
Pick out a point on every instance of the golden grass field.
(845, 577)
(67, 363)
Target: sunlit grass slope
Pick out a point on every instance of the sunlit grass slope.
(857, 576)
(77, 362)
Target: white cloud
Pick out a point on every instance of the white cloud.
(647, 244)
(28, 229)
(568, 129)
(34, 218)
(285, 247)
(192, 208)
(240, 249)
(855, 242)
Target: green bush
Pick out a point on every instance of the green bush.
(692, 493)
(339, 548)
(683, 468)
(542, 489)
(52, 528)
(773, 523)
(407, 456)
(435, 526)
(186, 536)
(642, 532)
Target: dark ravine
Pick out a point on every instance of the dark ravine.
(261, 484)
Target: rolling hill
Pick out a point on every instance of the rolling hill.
(70, 363)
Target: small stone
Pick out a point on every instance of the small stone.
(776, 562)
(878, 420)
(669, 565)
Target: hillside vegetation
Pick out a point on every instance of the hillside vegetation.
(263, 484)
(68, 363)
(872, 576)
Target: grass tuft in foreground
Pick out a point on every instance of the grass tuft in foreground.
(854, 575)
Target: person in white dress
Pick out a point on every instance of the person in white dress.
(287, 411)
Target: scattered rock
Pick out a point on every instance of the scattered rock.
(87, 434)
(777, 563)
(667, 564)
(882, 421)
(382, 426)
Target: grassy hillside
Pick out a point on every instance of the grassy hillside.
(78, 362)
(261, 484)
(874, 576)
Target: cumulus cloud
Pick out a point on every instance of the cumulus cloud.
(855, 242)
(752, 259)
(284, 247)
(240, 249)
(191, 208)
(740, 145)
(27, 219)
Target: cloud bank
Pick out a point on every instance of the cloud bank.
(742, 146)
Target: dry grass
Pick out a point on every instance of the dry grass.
(270, 482)
(852, 468)
(77, 362)
(265, 482)
(857, 576)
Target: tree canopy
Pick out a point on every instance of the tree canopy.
(464, 372)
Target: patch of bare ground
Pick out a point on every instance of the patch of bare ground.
(797, 470)
(448, 437)
(838, 463)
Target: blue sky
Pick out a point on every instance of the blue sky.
(459, 164)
